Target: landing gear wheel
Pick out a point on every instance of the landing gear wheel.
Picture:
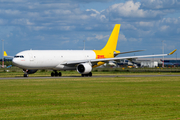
(86, 75)
(52, 74)
(90, 74)
(60, 74)
(55, 73)
(25, 75)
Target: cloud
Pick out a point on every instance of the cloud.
(171, 20)
(65, 42)
(21, 22)
(9, 12)
(2, 22)
(146, 24)
(36, 13)
(88, 1)
(163, 28)
(127, 9)
(93, 12)
(62, 22)
(122, 37)
(160, 4)
(134, 39)
(131, 10)
(99, 37)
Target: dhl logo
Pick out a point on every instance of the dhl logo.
(100, 56)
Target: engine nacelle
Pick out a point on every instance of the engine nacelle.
(84, 68)
(30, 71)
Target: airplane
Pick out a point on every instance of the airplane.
(112, 63)
(81, 60)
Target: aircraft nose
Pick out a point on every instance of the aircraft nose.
(15, 61)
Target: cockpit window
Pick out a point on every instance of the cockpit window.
(19, 56)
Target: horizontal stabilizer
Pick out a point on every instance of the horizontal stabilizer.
(172, 52)
(131, 51)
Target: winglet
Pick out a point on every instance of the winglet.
(5, 54)
(172, 52)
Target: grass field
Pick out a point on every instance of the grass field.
(91, 98)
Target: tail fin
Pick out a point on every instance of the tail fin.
(5, 54)
(112, 42)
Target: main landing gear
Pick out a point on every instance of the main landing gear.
(55, 73)
(87, 75)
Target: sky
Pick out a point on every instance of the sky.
(66, 24)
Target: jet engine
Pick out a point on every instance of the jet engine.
(84, 68)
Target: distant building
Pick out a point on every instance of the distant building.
(151, 62)
(154, 62)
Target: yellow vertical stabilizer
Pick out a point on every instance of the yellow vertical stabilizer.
(112, 42)
(109, 51)
(5, 54)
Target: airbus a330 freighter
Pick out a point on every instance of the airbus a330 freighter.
(81, 60)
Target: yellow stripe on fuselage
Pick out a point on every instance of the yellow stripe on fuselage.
(101, 54)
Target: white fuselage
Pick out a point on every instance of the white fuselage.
(51, 59)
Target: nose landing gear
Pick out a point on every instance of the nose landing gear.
(25, 75)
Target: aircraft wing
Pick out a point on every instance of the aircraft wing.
(9, 56)
(116, 58)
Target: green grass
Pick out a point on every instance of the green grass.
(91, 98)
